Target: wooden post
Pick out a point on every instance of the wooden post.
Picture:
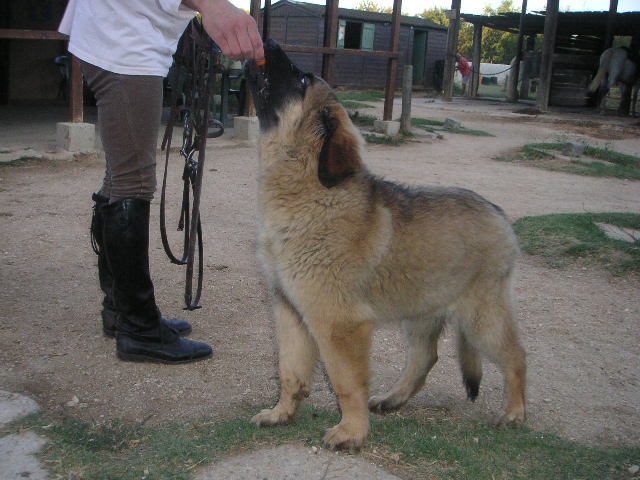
(515, 73)
(477, 59)
(330, 40)
(266, 20)
(525, 86)
(250, 108)
(77, 115)
(546, 61)
(452, 47)
(392, 65)
(407, 87)
(611, 18)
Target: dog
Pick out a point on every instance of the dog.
(344, 250)
(617, 68)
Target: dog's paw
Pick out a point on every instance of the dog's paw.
(511, 419)
(271, 416)
(343, 437)
(384, 403)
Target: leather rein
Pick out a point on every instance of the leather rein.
(197, 62)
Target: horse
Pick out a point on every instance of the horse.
(618, 69)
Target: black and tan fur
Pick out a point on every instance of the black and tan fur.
(344, 251)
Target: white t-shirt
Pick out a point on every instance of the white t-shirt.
(131, 37)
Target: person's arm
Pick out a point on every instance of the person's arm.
(235, 32)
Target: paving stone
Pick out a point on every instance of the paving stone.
(14, 406)
(452, 123)
(289, 462)
(17, 459)
(620, 233)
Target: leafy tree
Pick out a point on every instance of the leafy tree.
(497, 46)
(373, 6)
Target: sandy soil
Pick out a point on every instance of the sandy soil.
(580, 326)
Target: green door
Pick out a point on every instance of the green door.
(419, 53)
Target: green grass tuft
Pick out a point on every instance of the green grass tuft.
(362, 119)
(366, 96)
(620, 165)
(563, 238)
(351, 105)
(427, 448)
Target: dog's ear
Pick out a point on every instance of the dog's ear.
(340, 156)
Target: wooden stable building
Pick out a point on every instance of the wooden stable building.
(573, 42)
(422, 42)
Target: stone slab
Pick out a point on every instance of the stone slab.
(246, 128)
(14, 406)
(17, 457)
(620, 233)
(387, 127)
(291, 462)
(76, 137)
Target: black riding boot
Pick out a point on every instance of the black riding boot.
(141, 336)
(109, 312)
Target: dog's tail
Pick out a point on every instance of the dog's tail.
(471, 366)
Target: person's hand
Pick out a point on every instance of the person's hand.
(235, 32)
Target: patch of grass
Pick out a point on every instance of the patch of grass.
(470, 131)
(18, 161)
(620, 165)
(362, 119)
(421, 448)
(385, 140)
(563, 238)
(366, 96)
(430, 125)
(351, 105)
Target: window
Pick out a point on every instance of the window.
(356, 35)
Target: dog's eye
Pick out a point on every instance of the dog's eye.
(304, 81)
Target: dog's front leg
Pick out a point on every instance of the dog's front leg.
(344, 347)
(298, 355)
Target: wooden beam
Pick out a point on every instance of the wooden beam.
(392, 64)
(476, 59)
(13, 33)
(548, 48)
(330, 41)
(452, 47)
(407, 88)
(515, 74)
(611, 18)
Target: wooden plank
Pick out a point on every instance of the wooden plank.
(13, 33)
(392, 66)
(341, 51)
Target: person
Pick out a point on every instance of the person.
(465, 71)
(125, 49)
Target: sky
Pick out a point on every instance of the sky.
(415, 7)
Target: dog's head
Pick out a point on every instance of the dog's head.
(300, 112)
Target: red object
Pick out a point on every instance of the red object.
(463, 66)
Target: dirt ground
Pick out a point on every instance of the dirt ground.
(579, 326)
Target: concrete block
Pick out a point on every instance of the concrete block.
(246, 128)
(573, 149)
(387, 127)
(452, 123)
(76, 137)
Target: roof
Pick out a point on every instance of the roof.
(577, 23)
(348, 13)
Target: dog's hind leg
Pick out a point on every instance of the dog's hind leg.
(344, 345)
(422, 336)
(487, 324)
(298, 355)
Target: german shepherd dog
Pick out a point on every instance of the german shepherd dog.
(343, 250)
